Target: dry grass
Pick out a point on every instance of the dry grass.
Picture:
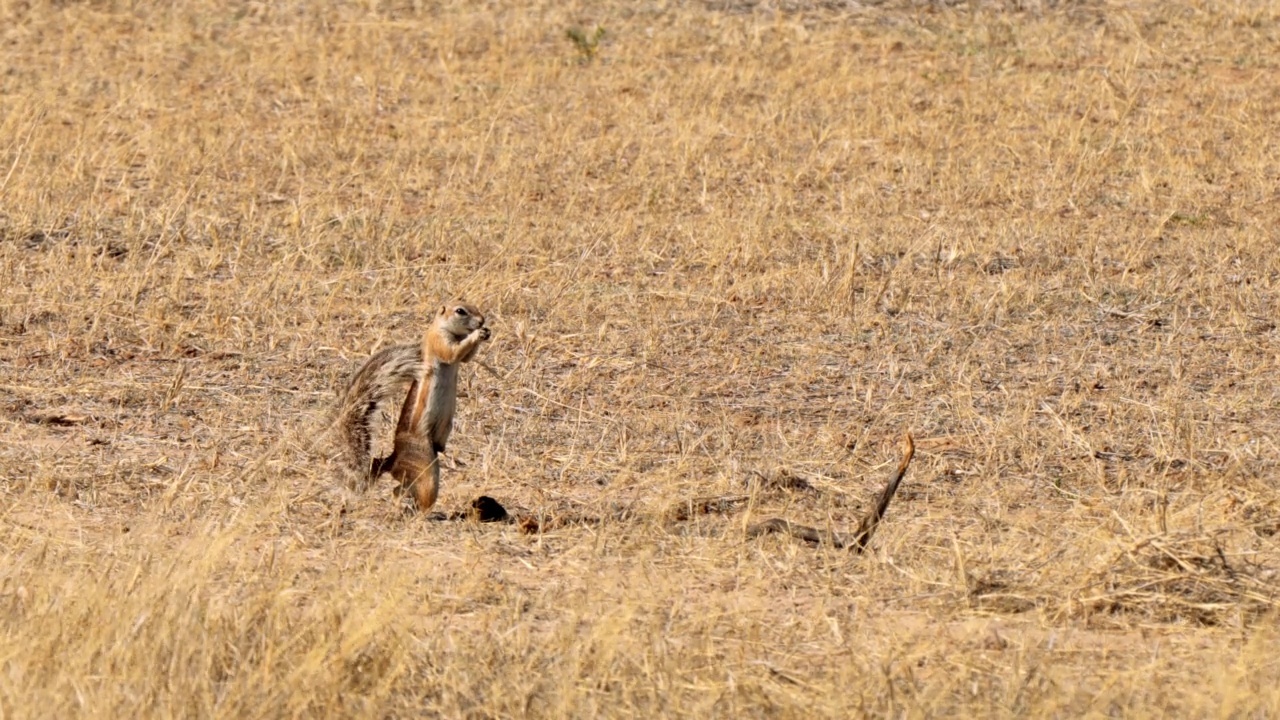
(725, 245)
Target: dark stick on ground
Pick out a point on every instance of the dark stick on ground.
(857, 540)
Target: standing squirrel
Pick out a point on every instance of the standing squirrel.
(426, 415)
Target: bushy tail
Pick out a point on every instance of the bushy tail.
(380, 382)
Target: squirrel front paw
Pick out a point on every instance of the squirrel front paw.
(484, 333)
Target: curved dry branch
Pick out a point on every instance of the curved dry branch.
(857, 540)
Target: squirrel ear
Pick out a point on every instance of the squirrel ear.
(443, 309)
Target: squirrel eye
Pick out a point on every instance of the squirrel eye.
(461, 311)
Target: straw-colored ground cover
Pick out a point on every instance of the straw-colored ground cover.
(727, 250)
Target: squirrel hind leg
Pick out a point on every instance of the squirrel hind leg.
(426, 488)
(417, 468)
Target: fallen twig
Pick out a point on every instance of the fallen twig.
(858, 540)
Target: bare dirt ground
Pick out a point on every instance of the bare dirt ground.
(727, 249)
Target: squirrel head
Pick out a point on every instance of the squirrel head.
(459, 318)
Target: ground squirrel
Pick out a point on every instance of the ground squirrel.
(426, 415)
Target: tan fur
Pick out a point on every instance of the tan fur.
(426, 415)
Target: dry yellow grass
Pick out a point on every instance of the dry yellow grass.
(725, 243)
